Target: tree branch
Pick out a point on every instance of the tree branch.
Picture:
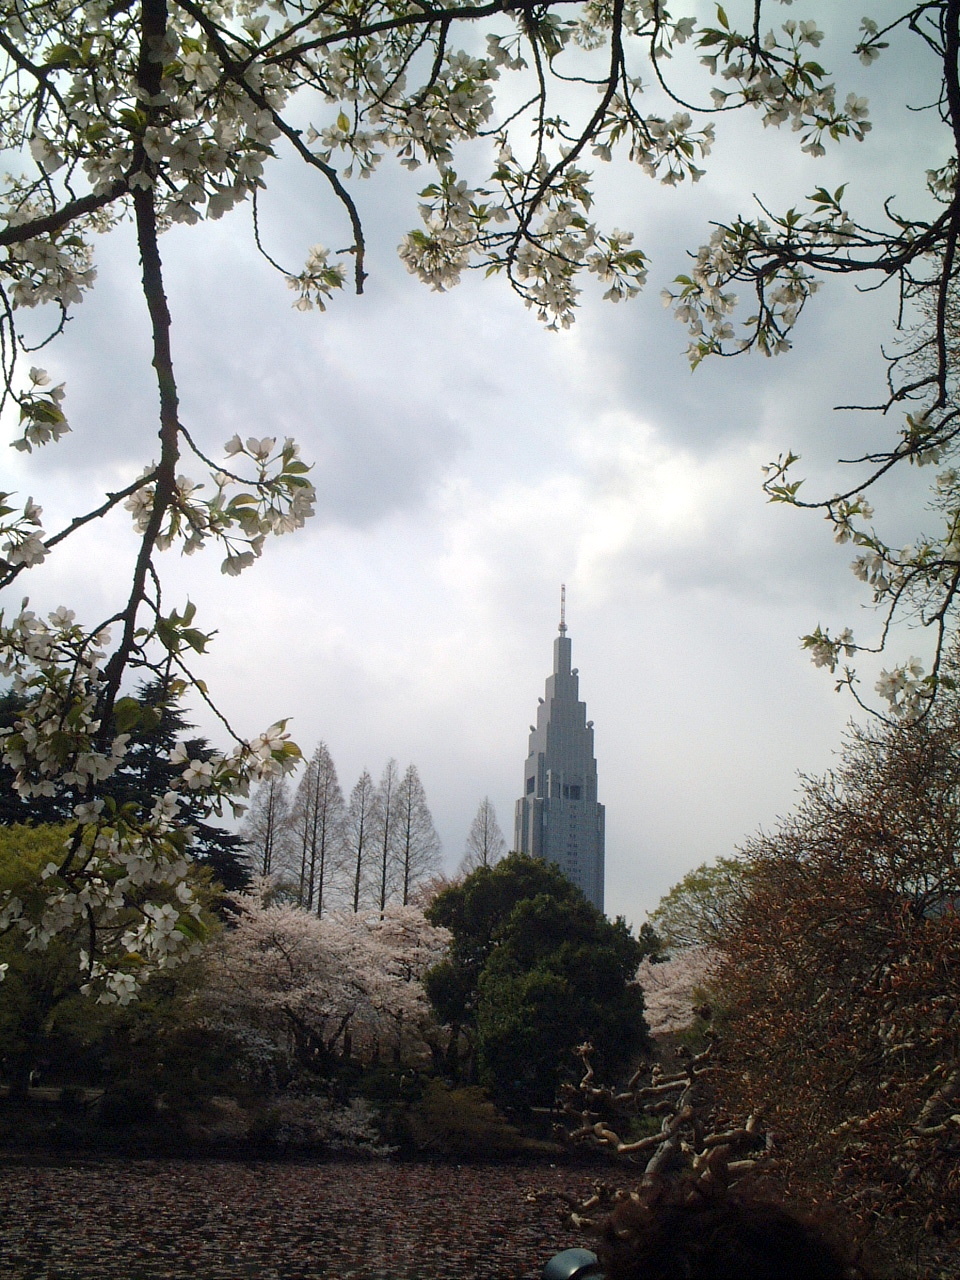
(154, 21)
(21, 232)
(80, 521)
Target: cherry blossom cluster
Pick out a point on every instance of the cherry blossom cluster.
(397, 84)
(825, 650)
(306, 982)
(749, 252)
(226, 75)
(672, 987)
(311, 1120)
(109, 864)
(749, 284)
(281, 500)
(23, 535)
(56, 741)
(123, 878)
(53, 269)
(918, 573)
(706, 303)
(42, 419)
(782, 81)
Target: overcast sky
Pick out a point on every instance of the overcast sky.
(468, 462)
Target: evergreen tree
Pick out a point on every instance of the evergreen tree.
(144, 773)
(534, 970)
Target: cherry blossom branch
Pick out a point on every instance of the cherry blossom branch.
(49, 224)
(78, 522)
(424, 17)
(25, 64)
(294, 136)
(531, 204)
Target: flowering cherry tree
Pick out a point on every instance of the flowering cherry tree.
(169, 111)
(670, 988)
(309, 986)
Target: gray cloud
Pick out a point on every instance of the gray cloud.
(467, 463)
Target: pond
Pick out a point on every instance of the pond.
(121, 1219)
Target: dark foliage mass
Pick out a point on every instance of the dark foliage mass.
(716, 1238)
(534, 970)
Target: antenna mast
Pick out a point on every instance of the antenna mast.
(563, 609)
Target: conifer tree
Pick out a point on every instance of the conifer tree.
(316, 821)
(267, 827)
(145, 772)
(357, 837)
(418, 845)
(485, 842)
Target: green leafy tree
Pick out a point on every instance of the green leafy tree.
(37, 982)
(534, 970)
(561, 974)
(696, 910)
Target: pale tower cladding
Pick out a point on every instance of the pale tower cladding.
(558, 818)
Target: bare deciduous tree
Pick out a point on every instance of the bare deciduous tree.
(418, 845)
(358, 837)
(687, 1137)
(266, 828)
(316, 820)
(485, 842)
(386, 831)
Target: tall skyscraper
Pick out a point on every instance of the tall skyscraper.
(558, 818)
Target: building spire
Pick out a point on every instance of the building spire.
(558, 817)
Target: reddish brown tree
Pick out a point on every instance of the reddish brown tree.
(840, 978)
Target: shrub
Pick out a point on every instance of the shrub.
(461, 1122)
(128, 1102)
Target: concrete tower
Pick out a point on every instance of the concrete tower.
(558, 818)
